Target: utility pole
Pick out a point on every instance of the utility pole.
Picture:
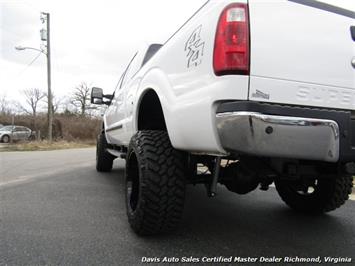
(47, 39)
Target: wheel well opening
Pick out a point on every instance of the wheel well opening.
(151, 116)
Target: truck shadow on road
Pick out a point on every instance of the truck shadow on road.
(257, 224)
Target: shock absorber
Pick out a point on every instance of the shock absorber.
(213, 187)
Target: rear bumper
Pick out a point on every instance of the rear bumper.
(285, 132)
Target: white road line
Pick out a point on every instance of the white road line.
(23, 179)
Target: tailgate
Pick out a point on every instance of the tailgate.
(301, 53)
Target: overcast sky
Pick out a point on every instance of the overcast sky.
(92, 41)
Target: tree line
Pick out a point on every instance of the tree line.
(36, 100)
(75, 109)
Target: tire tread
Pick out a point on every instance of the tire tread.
(333, 194)
(104, 160)
(162, 183)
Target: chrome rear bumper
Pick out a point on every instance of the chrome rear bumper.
(279, 136)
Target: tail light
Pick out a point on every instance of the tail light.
(231, 50)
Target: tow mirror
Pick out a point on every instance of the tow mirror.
(97, 95)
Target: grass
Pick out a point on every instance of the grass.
(46, 146)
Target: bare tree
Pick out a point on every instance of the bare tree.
(32, 98)
(56, 102)
(81, 98)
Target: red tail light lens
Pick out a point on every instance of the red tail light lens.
(231, 50)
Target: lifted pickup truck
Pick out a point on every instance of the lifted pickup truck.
(244, 94)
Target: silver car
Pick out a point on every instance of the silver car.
(8, 133)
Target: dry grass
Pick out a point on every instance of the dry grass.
(65, 127)
(46, 146)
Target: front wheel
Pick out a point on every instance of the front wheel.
(317, 195)
(104, 160)
(155, 183)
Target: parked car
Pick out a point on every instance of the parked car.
(266, 86)
(1, 125)
(15, 133)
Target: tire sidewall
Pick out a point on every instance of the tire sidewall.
(5, 137)
(315, 203)
(159, 169)
(98, 149)
(104, 160)
(137, 151)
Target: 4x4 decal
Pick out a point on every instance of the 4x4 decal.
(194, 48)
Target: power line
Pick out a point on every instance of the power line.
(34, 59)
(28, 65)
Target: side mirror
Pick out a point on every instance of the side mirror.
(97, 95)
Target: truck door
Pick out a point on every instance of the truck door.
(129, 88)
(112, 119)
(116, 115)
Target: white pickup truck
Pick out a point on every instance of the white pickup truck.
(244, 94)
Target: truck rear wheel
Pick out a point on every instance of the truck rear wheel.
(104, 160)
(322, 195)
(155, 183)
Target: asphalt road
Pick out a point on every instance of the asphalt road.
(56, 209)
